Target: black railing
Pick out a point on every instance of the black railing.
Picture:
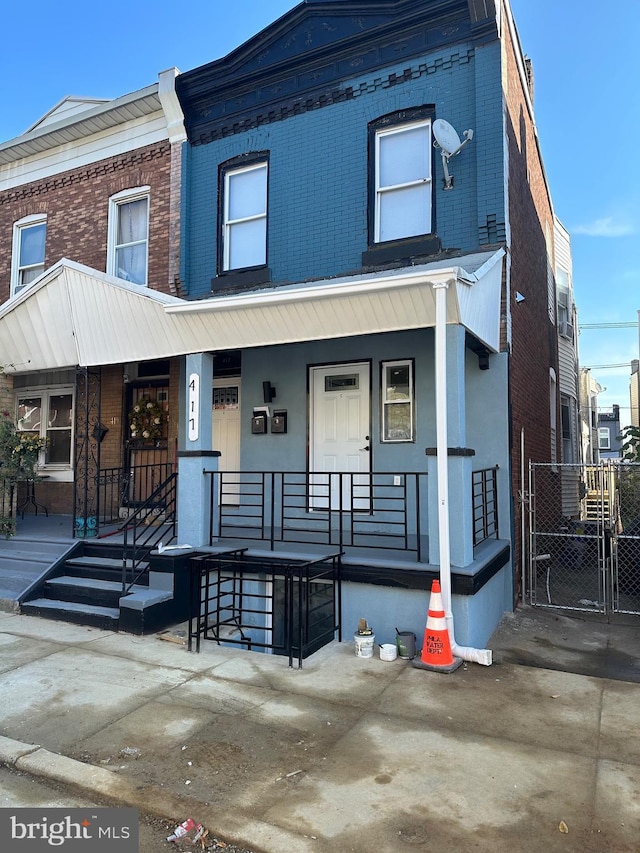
(153, 522)
(346, 510)
(484, 488)
(288, 608)
(121, 490)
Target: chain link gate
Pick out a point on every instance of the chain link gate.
(584, 537)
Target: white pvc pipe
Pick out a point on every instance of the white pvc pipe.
(481, 656)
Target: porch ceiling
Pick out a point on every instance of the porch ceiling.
(74, 315)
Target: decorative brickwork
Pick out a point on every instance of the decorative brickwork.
(77, 206)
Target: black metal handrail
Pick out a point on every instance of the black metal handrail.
(342, 509)
(288, 607)
(484, 490)
(141, 537)
(128, 486)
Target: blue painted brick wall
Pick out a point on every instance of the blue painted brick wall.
(318, 170)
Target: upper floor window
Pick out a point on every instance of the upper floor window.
(244, 216)
(29, 237)
(604, 438)
(403, 181)
(128, 244)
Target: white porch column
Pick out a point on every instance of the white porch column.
(457, 461)
(195, 453)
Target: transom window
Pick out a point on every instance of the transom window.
(48, 414)
(403, 181)
(244, 217)
(29, 238)
(128, 249)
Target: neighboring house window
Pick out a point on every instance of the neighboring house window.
(49, 415)
(403, 181)
(128, 245)
(397, 395)
(567, 419)
(551, 287)
(604, 438)
(565, 306)
(553, 417)
(244, 216)
(29, 237)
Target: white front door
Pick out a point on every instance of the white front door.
(340, 437)
(226, 433)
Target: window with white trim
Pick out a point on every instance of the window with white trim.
(29, 238)
(403, 181)
(128, 243)
(48, 414)
(397, 396)
(244, 216)
(553, 417)
(604, 438)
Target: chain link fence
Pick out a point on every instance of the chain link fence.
(588, 560)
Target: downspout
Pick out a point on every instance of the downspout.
(482, 656)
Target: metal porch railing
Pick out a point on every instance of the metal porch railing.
(154, 521)
(376, 510)
(484, 489)
(285, 607)
(125, 488)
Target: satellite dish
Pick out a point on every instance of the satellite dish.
(447, 139)
(446, 136)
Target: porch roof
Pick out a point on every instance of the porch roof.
(384, 301)
(74, 315)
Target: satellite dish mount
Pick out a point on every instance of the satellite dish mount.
(448, 141)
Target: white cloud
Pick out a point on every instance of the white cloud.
(605, 227)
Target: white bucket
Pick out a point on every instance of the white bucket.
(364, 645)
(388, 651)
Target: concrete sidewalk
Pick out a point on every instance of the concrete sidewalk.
(346, 754)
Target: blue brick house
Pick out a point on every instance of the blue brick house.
(362, 329)
(353, 177)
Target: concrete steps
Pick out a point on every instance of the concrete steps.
(87, 589)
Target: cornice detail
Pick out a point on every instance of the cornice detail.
(310, 56)
(213, 128)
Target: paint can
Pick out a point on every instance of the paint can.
(364, 644)
(388, 651)
(406, 643)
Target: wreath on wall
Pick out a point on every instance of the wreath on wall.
(147, 419)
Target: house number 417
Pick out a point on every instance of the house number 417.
(193, 406)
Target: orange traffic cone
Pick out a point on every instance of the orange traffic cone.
(436, 648)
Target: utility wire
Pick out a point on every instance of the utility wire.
(608, 325)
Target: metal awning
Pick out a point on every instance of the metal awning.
(390, 300)
(74, 315)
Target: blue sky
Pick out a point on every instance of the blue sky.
(587, 112)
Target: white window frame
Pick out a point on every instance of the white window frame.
(19, 228)
(388, 401)
(553, 418)
(116, 202)
(381, 191)
(228, 223)
(58, 470)
(604, 433)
